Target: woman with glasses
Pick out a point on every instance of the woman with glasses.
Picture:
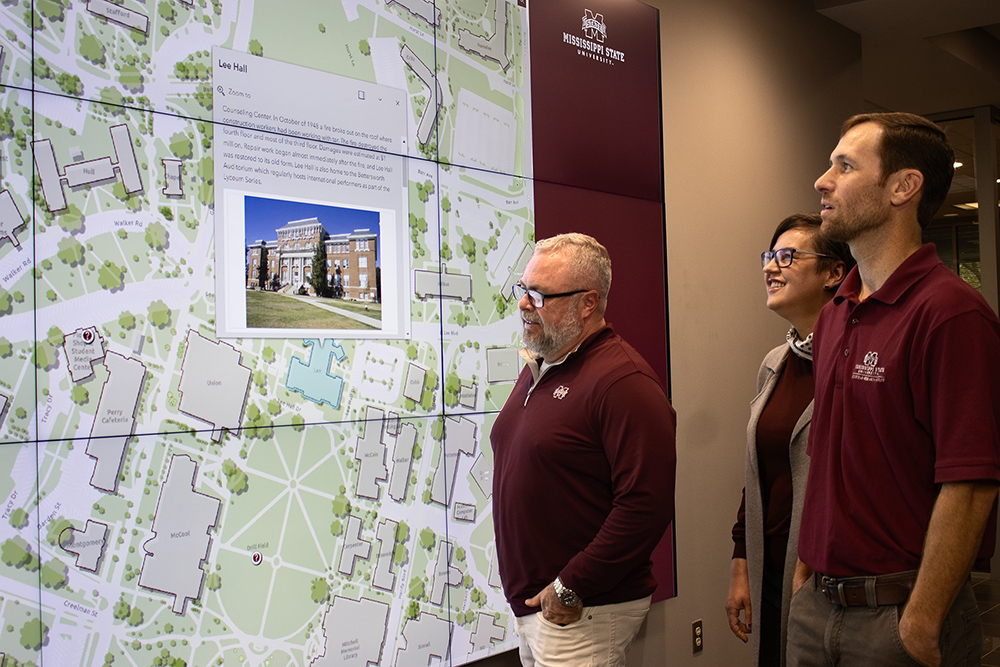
(802, 270)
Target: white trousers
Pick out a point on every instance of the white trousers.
(599, 639)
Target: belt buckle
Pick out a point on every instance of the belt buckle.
(829, 585)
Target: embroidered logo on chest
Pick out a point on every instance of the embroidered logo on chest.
(869, 371)
(560, 392)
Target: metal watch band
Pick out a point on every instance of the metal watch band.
(566, 596)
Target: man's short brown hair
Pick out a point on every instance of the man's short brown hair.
(913, 142)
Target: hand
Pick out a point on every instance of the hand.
(739, 599)
(800, 576)
(921, 643)
(553, 610)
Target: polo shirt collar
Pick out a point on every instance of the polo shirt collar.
(907, 274)
(538, 367)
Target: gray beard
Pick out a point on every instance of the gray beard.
(545, 344)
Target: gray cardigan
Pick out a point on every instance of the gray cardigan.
(767, 379)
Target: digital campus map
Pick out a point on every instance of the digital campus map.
(170, 497)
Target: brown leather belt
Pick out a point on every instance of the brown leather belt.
(880, 591)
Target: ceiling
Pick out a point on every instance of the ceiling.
(929, 57)
(925, 56)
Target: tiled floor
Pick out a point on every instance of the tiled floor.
(988, 595)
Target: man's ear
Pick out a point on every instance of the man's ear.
(836, 275)
(906, 185)
(591, 302)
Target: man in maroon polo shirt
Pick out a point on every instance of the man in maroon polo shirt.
(904, 447)
(584, 461)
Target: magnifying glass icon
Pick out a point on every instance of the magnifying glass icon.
(220, 90)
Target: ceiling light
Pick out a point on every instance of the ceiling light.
(958, 164)
(971, 206)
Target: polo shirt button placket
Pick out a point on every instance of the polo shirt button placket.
(847, 351)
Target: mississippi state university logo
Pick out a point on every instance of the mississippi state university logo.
(591, 44)
(869, 370)
(593, 26)
(560, 392)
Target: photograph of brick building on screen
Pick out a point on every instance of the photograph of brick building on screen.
(311, 266)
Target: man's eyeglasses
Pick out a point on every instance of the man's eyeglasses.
(537, 298)
(784, 256)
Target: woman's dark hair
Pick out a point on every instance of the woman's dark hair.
(837, 250)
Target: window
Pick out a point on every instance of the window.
(362, 262)
(347, 281)
(960, 229)
(363, 280)
(958, 248)
(346, 263)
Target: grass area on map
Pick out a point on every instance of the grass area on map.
(270, 310)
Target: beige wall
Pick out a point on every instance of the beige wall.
(753, 97)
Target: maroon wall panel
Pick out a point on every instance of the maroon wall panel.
(597, 155)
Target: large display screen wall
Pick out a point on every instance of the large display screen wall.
(256, 322)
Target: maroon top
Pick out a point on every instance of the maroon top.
(790, 398)
(583, 483)
(907, 399)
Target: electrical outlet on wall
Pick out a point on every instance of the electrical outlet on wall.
(697, 637)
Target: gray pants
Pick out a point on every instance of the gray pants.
(821, 634)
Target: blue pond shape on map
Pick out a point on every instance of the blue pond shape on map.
(313, 380)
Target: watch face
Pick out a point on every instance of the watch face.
(567, 597)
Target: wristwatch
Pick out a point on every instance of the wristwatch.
(567, 597)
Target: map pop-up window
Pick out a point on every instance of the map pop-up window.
(305, 158)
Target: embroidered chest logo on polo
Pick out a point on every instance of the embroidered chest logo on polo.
(560, 392)
(869, 370)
